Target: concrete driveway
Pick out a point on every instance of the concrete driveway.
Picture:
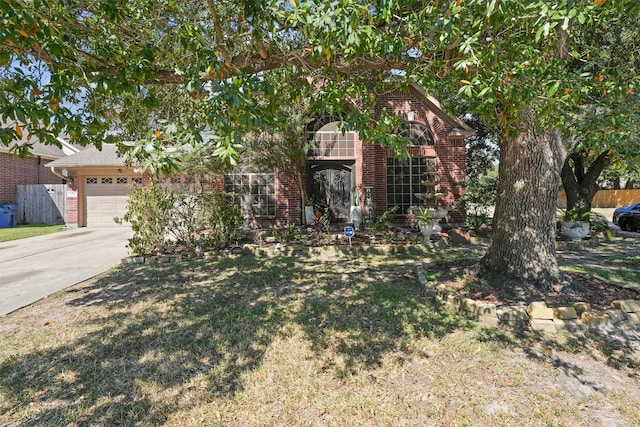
(33, 268)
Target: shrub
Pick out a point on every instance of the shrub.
(163, 217)
(385, 221)
(479, 196)
(149, 213)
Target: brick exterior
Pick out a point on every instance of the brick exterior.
(73, 207)
(288, 200)
(371, 161)
(16, 171)
(369, 166)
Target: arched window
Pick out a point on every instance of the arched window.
(417, 134)
(329, 139)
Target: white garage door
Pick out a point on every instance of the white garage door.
(105, 198)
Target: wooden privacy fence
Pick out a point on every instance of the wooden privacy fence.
(42, 204)
(608, 198)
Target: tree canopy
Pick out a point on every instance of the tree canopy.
(63, 61)
(537, 69)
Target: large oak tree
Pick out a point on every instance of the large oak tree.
(67, 65)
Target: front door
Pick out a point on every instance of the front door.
(332, 183)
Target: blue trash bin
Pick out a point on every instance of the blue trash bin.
(6, 217)
(14, 211)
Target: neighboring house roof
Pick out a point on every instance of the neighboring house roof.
(91, 156)
(38, 149)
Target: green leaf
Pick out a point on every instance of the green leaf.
(553, 89)
(582, 18)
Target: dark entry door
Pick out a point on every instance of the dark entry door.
(331, 183)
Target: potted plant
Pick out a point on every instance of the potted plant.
(427, 223)
(574, 224)
(355, 213)
(309, 218)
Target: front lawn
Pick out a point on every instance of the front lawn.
(297, 341)
(24, 231)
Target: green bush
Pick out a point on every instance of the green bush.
(479, 196)
(149, 213)
(162, 217)
(385, 221)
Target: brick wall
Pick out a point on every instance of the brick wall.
(449, 152)
(288, 200)
(16, 171)
(72, 201)
(371, 162)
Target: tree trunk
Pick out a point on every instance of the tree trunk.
(616, 183)
(580, 185)
(522, 254)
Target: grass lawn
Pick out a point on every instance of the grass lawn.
(23, 231)
(294, 341)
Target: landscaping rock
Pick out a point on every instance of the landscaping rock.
(565, 313)
(539, 310)
(468, 306)
(571, 325)
(616, 316)
(591, 318)
(581, 307)
(628, 306)
(453, 303)
(459, 236)
(486, 309)
(488, 320)
(543, 325)
(512, 314)
(633, 318)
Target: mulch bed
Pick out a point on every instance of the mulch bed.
(575, 287)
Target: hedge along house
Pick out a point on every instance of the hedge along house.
(341, 164)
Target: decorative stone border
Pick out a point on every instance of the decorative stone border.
(327, 252)
(624, 314)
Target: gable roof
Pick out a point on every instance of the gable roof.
(39, 149)
(455, 126)
(91, 156)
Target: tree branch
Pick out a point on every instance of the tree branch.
(218, 29)
(255, 64)
(578, 165)
(597, 167)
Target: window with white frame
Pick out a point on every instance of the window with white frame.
(259, 185)
(417, 134)
(332, 140)
(403, 181)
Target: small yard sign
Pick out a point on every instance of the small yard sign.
(348, 231)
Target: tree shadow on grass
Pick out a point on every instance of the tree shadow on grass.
(148, 335)
(378, 313)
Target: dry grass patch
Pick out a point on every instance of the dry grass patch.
(288, 341)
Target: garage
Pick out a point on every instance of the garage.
(105, 198)
(98, 185)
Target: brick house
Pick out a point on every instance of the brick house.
(16, 171)
(98, 185)
(339, 165)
